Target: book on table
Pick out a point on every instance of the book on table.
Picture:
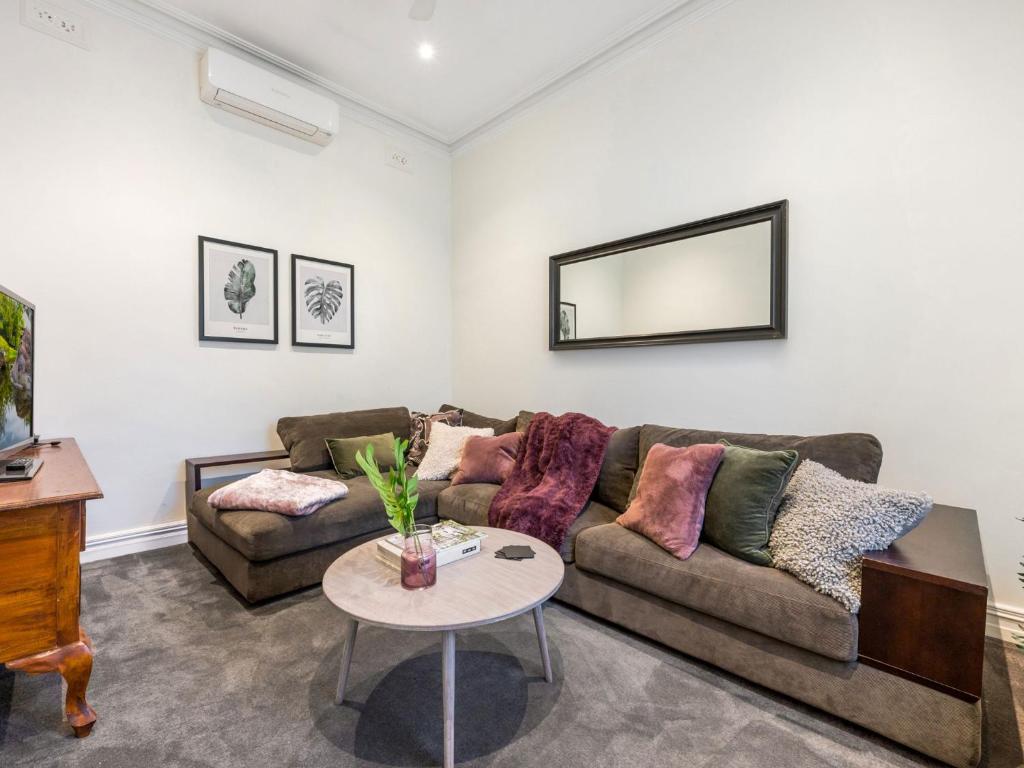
(452, 542)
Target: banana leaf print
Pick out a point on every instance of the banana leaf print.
(323, 298)
(240, 287)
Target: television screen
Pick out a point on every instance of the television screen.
(17, 324)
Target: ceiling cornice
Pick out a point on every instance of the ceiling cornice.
(648, 31)
(186, 29)
(190, 31)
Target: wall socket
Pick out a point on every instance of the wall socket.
(54, 21)
(399, 159)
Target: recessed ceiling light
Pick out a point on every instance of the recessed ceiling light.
(426, 51)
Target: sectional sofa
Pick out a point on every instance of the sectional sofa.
(753, 621)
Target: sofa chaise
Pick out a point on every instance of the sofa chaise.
(754, 621)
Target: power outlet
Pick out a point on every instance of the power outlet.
(399, 159)
(54, 21)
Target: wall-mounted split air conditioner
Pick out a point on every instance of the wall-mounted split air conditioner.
(233, 84)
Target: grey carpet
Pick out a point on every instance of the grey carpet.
(187, 675)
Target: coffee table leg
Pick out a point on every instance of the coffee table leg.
(349, 632)
(448, 673)
(542, 638)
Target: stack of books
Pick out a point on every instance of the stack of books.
(452, 542)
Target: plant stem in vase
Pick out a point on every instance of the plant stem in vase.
(419, 561)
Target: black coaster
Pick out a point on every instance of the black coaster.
(515, 552)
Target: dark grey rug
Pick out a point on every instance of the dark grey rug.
(187, 675)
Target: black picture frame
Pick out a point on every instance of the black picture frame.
(351, 299)
(777, 213)
(567, 304)
(241, 339)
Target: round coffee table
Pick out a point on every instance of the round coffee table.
(482, 589)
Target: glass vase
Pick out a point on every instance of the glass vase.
(419, 561)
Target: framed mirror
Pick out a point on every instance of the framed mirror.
(718, 279)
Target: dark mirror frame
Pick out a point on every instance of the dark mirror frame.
(776, 213)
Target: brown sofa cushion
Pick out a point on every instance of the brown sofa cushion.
(765, 600)
(470, 419)
(303, 436)
(854, 455)
(618, 471)
(266, 535)
(468, 504)
(523, 420)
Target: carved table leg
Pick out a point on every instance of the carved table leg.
(74, 663)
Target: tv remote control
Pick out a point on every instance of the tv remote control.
(18, 466)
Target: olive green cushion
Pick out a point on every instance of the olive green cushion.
(744, 499)
(343, 452)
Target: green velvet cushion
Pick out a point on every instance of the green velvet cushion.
(343, 452)
(744, 499)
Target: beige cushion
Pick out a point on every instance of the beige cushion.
(266, 535)
(444, 451)
(765, 600)
(468, 504)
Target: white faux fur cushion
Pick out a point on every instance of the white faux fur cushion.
(445, 450)
(827, 521)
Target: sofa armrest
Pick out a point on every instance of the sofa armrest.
(194, 467)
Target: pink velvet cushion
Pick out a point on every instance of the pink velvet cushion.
(669, 504)
(278, 490)
(488, 459)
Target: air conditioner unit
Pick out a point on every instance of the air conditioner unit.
(237, 86)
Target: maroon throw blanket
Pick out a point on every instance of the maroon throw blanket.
(554, 475)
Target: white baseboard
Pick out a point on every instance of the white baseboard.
(1004, 622)
(134, 540)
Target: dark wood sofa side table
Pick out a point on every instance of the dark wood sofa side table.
(42, 531)
(923, 604)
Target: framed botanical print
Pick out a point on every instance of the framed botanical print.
(566, 321)
(237, 292)
(323, 309)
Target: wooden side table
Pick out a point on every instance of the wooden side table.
(42, 530)
(923, 604)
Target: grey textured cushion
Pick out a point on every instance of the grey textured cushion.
(469, 504)
(303, 436)
(826, 522)
(266, 535)
(854, 455)
(726, 587)
(619, 469)
(470, 419)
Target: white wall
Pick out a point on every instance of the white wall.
(894, 129)
(111, 168)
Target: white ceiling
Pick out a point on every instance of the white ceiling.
(491, 54)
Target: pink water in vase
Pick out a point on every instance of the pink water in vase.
(419, 561)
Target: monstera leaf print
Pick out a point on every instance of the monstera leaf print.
(240, 287)
(323, 299)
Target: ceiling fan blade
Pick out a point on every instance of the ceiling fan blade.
(422, 10)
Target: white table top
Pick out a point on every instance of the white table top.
(481, 589)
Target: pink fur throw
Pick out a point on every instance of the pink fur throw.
(669, 505)
(554, 475)
(278, 490)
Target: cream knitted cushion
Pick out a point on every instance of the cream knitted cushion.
(445, 450)
(827, 521)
